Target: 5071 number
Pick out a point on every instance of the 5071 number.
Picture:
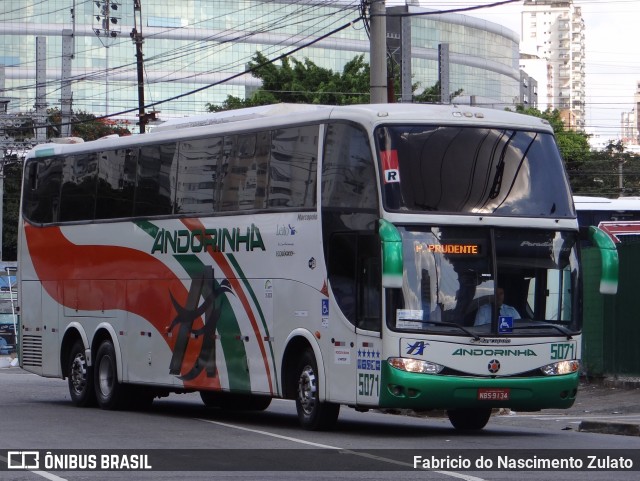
(564, 350)
(368, 384)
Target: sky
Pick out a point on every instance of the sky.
(612, 38)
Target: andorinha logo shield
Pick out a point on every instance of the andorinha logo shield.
(494, 366)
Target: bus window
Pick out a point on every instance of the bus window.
(292, 167)
(78, 193)
(355, 278)
(449, 275)
(41, 190)
(116, 183)
(198, 175)
(154, 190)
(472, 170)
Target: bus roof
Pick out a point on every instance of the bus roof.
(603, 203)
(273, 116)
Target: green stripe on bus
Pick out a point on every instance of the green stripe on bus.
(148, 227)
(228, 330)
(232, 260)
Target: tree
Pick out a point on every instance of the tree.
(85, 125)
(11, 205)
(574, 146)
(296, 81)
(610, 167)
(431, 95)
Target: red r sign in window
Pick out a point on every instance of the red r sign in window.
(390, 166)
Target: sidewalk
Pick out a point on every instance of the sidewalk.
(605, 406)
(608, 397)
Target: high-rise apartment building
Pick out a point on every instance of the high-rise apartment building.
(555, 29)
(630, 121)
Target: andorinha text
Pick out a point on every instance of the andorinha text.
(219, 240)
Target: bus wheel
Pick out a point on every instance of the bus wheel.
(110, 394)
(469, 419)
(313, 414)
(80, 377)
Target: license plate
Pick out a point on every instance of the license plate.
(493, 394)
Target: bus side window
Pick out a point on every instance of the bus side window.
(154, 192)
(42, 190)
(349, 219)
(355, 277)
(197, 175)
(342, 272)
(369, 297)
(116, 183)
(78, 195)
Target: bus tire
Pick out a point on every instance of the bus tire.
(110, 393)
(312, 414)
(469, 419)
(80, 377)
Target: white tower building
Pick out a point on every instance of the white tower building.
(555, 28)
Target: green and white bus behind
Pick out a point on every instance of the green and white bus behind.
(328, 255)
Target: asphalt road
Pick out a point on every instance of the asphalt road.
(36, 415)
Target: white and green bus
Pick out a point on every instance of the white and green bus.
(328, 255)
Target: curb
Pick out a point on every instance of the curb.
(613, 382)
(603, 427)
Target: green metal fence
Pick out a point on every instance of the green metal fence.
(611, 343)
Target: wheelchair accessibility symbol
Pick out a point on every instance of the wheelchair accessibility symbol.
(505, 324)
(325, 307)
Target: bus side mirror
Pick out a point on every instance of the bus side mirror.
(391, 254)
(609, 257)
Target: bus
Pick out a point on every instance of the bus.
(619, 218)
(335, 256)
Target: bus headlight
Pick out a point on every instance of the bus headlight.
(562, 367)
(415, 365)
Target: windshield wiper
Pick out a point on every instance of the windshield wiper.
(453, 324)
(563, 330)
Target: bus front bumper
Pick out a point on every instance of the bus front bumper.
(405, 390)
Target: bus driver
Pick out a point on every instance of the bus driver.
(483, 316)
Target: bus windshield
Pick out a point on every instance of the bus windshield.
(489, 281)
(472, 170)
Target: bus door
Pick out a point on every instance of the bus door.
(368, 349)
(355, 282)
(350, 214)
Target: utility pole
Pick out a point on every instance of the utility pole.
(136, 36)
(41, 90)
(106, 26)
(66, 94)
(443, 73)
(378, 51)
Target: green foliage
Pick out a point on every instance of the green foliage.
(297, 81)
(85, 125)
(591, 172)
(11, 206)
(431, 95)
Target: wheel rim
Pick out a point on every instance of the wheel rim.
(307, 389)
(78, 373)
(105, 376)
